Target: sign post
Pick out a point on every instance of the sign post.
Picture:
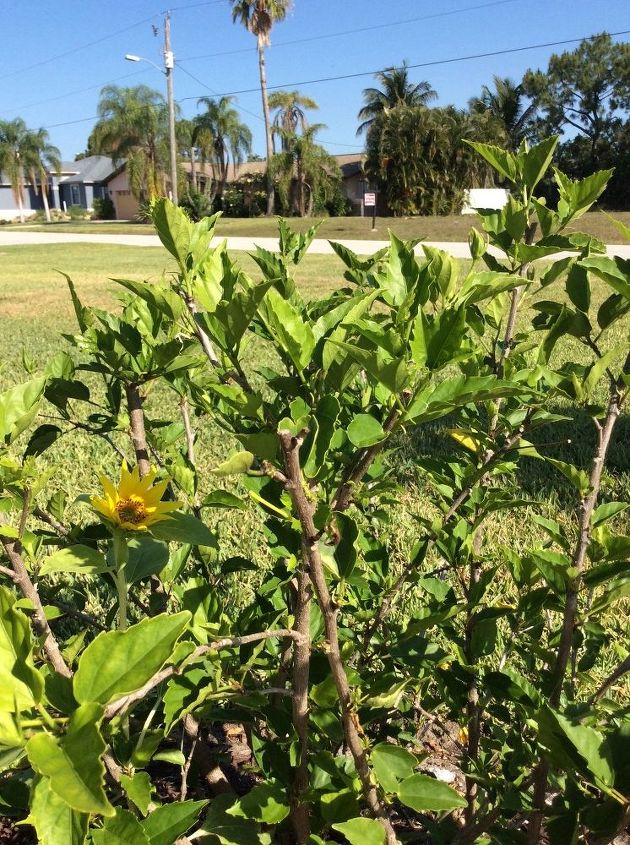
(369, 201)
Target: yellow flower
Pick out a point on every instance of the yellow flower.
(135, 505)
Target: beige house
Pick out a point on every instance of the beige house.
(126, 205)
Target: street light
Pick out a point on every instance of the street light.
(169, 62)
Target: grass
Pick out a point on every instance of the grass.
(452, 228)
(35, 308)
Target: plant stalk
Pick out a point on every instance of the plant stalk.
(351, 727)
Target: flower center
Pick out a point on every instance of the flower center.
(131, 510)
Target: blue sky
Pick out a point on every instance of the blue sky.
(57, 56)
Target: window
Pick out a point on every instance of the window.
(75, 195)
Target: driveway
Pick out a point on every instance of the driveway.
(318, 246)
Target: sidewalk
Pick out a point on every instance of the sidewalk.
(318, 246)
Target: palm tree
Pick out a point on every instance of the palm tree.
(40, 158)
(304, 170)
(14, 139)
(506, 104)
(259, 16)
(133, 124)
(230, 138)
(290, 114)
(396, 90)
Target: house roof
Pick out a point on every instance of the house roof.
(89, 169)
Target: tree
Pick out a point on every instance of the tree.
(14, 141)
(229, 136)
(419, 161)
(396, 90)
(305, 171)
(259, 16)
(133, 125)
(290, 113)
(584, 89)
(506, 105)
(41, 157)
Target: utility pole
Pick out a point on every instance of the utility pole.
(169, 62)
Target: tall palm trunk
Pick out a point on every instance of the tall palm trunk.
(193, 169)
(44, 189)
(268, 133)
(18, 198)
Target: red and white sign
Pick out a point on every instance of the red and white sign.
(369, 198)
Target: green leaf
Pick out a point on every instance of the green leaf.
(18, 408)
(289, 329)
(139, 790)
(422, 792)
(42, 438)
(502, 160)
(224, 499)
(118, 662)
(174, 229)
(55, 822)
(537, 160)
(614, 271)
(265, 803)
(238, 464)
(577, 197)
(166, 824)
(578, 287)
(226, 829)
(554, 568)
(73, 763)
(122, 829)
(171, 755)
(576, 476)
(147, 556)
(364, 431)
(362, 831)
(81, 560)
(21, 685)
(510, 685)
(576, 746)
(606, 511)
(392, 764)
(183, 527)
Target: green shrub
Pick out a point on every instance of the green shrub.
(363, 662)
(103, 209)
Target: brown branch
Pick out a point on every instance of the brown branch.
(49, 519)
(22, 580)
(138, 433)
(77, 614)
(619, 672)
(120, 705)
(300, 816)
(204, 340)
(351, 727)
(587, 505)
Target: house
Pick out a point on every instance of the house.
(83, 181)
(78, 183)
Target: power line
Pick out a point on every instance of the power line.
(81, 90)
(470, 57)
(380, 70)
(352, 31)
(257, 116)
(78, 49)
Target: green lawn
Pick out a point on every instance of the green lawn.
(452, 228)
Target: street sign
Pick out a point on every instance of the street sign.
(369, 198)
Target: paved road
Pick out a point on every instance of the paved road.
(318, 247)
